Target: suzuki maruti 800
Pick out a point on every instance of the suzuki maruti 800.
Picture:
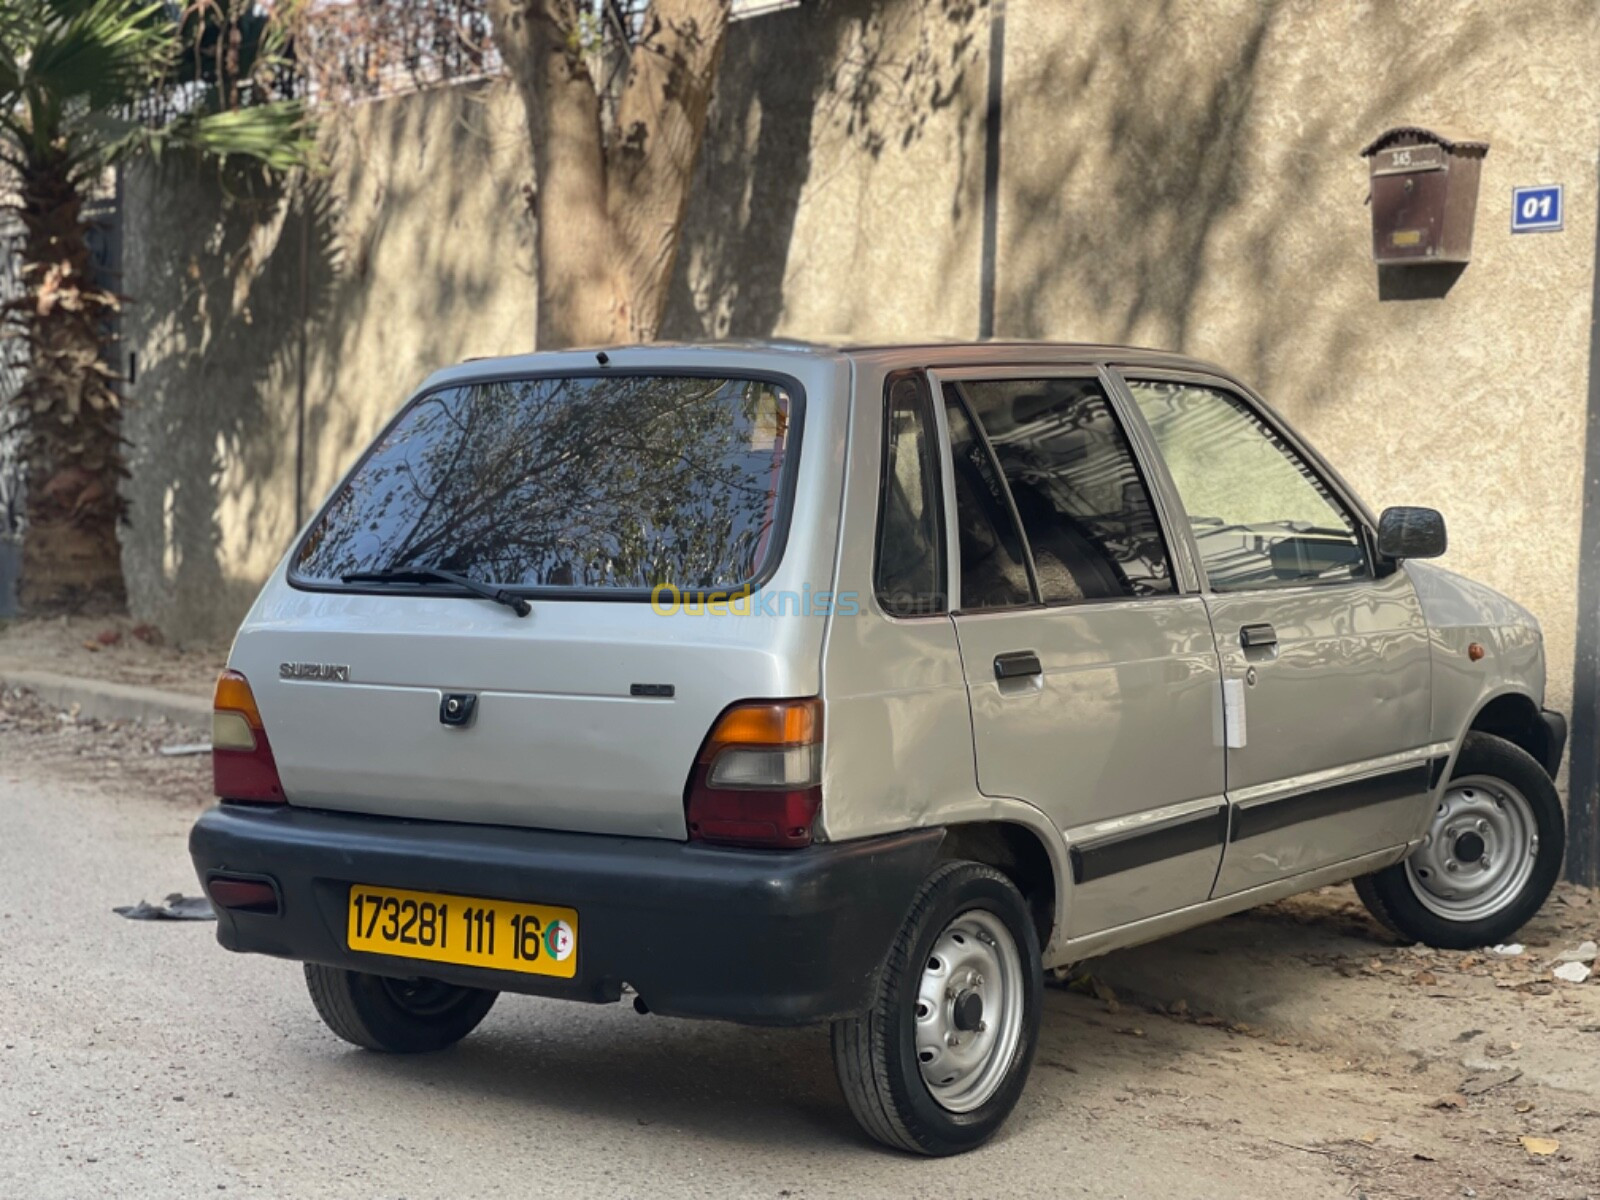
(861, 685)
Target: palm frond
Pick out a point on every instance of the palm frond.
(85, 83)
(102, 52)
(274, 135)
(17, 24)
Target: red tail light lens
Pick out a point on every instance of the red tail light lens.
(758, 779)
(242, 766)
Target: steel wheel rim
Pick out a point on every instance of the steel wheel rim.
(1476, 813)
(969, 1011)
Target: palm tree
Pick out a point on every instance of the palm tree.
(84, 85)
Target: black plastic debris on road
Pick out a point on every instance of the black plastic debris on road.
(176, 907)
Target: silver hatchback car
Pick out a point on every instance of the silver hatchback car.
(785, 683)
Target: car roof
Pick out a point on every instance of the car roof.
(779, 356)
(933, 352)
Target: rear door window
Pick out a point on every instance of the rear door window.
(616, 481)
(1085, 510)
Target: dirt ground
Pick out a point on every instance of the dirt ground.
(114, 648)
(1296, 1050)
(119, 754)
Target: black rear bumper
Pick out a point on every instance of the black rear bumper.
(763, 937)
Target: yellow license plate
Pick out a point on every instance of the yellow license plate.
(536, 939)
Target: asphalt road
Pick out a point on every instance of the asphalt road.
(141, 1060)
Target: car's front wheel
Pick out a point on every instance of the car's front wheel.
(938, 1062)
(1490, 856)
(402, 1016)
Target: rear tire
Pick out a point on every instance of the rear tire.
(1493, 853)
(401, 1016)
(939, 1060)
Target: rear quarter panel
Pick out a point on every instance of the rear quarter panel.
(899, 752)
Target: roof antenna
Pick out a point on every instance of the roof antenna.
(602, 358)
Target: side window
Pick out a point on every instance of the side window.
(909, 572)
(1084, 507)
(1261, 516)
(994, 571)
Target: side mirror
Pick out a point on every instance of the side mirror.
(1411, 533)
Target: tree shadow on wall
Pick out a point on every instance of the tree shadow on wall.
(1165, 160)
(411, 240)
(1176, 171)
(227, 278)
(434, 238)
(854, 80)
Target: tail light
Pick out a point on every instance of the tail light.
(758, 778)
(242, 766)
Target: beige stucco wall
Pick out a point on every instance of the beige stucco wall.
(841, 184)
(417, 253)
(1179, 174)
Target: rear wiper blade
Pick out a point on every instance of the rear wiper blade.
(517, 604)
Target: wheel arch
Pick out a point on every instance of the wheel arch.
(1515, 717)
(1022, 855)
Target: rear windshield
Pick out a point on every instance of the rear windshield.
(605, 482)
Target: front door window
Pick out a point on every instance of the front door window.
(1261, 516)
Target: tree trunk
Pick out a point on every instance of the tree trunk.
(661, 123)
(610, 211)
(68, 410)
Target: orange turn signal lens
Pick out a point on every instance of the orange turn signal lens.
(766, 723)
(233, 695)
(242, 765)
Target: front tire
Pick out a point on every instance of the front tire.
(1492, 853)
(401, 1016)
(939, 1060)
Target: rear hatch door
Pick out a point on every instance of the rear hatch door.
(626, 507)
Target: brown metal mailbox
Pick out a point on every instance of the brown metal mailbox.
(1424, 196)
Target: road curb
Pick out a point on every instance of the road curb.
(103, 700)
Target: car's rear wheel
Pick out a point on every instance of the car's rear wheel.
(938, 1062)
(1488, 860)
(402, 1016)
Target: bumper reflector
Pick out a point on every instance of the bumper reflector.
(243, 895)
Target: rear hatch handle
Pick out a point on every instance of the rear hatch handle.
(488, 591)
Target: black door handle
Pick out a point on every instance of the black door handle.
(1017, 664)
(1258, 637)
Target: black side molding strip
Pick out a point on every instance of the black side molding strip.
(1140, 848)
(1253, 820)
